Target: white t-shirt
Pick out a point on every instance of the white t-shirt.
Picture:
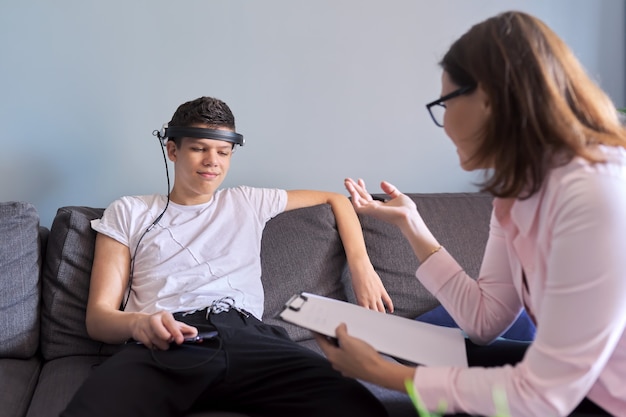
(195, 254)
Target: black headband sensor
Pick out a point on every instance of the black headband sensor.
(168, 132)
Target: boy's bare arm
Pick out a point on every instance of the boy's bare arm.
(369, 289)
(105, 321)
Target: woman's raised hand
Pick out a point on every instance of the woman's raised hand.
(396, 210)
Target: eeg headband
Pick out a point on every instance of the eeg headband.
(200, 133)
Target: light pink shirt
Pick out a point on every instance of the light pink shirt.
(570, 240)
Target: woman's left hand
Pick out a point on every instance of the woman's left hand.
(352, 357)
(355, 358)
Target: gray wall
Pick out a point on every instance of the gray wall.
(321, 89)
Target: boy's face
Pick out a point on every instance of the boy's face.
(200, 167)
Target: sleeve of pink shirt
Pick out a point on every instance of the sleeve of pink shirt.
(581, 313)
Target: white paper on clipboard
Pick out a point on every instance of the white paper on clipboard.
(399, 337)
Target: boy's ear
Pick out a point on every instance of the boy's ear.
(171, 150)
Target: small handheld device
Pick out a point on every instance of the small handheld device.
(200, 337)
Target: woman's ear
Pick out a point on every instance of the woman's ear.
(484, 100)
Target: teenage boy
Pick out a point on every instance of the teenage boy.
(189, 265)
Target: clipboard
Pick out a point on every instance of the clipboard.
(399, 337)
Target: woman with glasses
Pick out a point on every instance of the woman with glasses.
(517, 104)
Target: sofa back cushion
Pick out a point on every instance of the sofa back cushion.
(65, 285)
(301, 251)
(20, 262)
(460, 221)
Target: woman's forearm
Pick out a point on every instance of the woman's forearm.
(420, 237)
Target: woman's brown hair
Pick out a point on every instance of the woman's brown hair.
(544, 107)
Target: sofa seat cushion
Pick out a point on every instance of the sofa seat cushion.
(59, 380)
(18, 378)
(20, 262)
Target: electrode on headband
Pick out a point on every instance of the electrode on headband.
(199, 132)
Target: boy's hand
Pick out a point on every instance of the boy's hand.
(369, 289)
(158, 330)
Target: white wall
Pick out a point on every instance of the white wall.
(321, 89)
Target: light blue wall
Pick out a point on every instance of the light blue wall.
(321, 89)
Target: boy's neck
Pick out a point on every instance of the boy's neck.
(195, 200)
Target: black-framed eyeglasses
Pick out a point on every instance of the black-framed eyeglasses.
(437, 108)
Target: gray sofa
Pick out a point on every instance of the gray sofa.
(45, 352)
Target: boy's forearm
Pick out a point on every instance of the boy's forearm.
(350, 230)
(110, 326)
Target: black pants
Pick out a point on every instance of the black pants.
(251, 368)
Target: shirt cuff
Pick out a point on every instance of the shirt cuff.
(430, 388)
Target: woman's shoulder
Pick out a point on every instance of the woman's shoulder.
(612, 164)
(587, 183)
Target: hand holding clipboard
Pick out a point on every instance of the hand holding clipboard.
(399, 337)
